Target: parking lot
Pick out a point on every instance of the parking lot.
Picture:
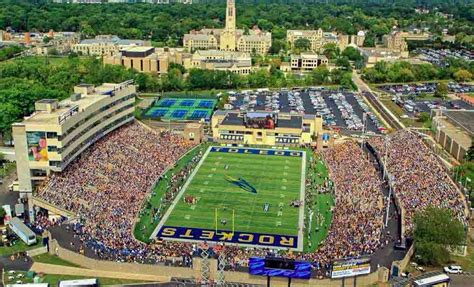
(339, 109)
(424, 88)
(411, 107)
(438, 57)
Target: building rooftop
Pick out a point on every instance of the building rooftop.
(112, 40)
(283, 121)
(70, 106)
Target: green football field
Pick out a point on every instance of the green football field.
(277, 180)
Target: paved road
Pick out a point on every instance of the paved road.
(8, 197)
(367, 92)
(9, 153)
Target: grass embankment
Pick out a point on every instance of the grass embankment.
(53, 259)
(53, 279)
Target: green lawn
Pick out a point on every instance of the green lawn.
(20, 246)
(466, 262)
(145, 226)
(52, 259)
(277, 180)
(53, 279)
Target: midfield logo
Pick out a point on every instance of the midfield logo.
(242, 183)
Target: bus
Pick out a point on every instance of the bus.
(441, 280)
(79, 283)
(20, 229)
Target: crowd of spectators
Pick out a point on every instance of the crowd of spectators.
(107, 186)
(356, 227)
(417, 176)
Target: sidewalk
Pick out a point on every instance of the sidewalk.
(74, 271)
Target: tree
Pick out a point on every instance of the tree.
(352, 54)
(331, 50)
(435, 230)
(320, 75)
(303, 44)
(441, 90)
(470, 151)
(423, 117)
(2, 215)
(343, 62)
(462, 75)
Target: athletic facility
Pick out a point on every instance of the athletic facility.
(244, 196)
(181, 109)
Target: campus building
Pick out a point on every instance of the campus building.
(236, 62)
(148, 59)
(229, 39)
(395, 41)
(319, 38)
(372, 55)
(265, 128)
(57, 132)
(307, 61)
(105, 45)
(454, 130)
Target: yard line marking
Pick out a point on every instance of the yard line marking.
(187, 217)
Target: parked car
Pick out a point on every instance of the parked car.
(453, 269)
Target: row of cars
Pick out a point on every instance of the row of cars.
(424, 88)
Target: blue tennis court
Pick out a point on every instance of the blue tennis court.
(178, 114)
(157, 113)
(167, 102)
(199, 114)
(206, 104)
(187, 103)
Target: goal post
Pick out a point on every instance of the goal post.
(222, 216)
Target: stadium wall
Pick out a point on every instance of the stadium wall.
(380, 275)
(402, 264)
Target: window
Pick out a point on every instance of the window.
(51, 135)
(52, 148)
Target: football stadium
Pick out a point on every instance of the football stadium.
(117, 194)
(233, 196)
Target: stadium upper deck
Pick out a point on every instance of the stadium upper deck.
(57, 132)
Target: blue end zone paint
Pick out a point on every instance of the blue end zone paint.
(226, 236)
(258, 151)
(257, 267)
